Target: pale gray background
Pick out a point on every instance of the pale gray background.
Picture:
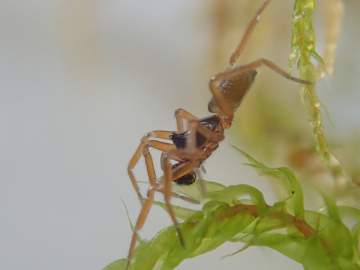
(80, 83)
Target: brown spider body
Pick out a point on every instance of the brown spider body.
(203, 145)
(233, 90)
(190, 148)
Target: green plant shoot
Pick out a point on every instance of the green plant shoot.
(303, 48)
(240, 214)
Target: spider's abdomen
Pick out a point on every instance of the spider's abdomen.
(233, 90)
(179, 140)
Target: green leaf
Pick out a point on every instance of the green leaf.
(180, 212)
(283, 174)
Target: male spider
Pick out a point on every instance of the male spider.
(190, 148)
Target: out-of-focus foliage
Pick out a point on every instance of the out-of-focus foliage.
(316, 240)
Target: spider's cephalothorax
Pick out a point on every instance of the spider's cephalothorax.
(190, 148)
(179, 139)
(212, 123)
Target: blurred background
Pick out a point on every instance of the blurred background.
(82, 81)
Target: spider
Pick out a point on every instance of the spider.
(190, 148)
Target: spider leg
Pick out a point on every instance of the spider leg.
(143, 149)
(233, 72)
(166, 189)
(140, 223)
(176, 195)
(239, 49)
(170, 175)
(181, 114)
(159, 186)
